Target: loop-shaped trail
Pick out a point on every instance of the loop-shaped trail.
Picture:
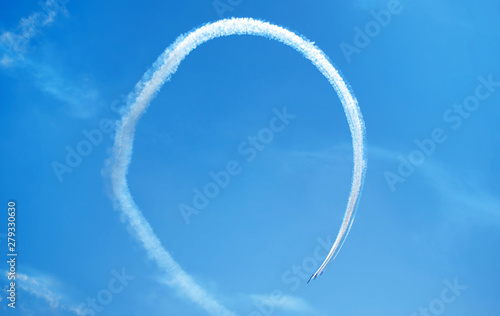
(146, 89)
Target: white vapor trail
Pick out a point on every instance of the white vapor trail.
(146, 89)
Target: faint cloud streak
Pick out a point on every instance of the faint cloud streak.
(15, 43)
(40, 287)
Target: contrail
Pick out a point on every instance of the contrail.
(146, 89)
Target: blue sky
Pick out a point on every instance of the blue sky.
(66, 67)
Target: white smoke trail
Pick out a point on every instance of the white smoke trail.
(150, 84)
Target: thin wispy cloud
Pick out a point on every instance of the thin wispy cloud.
(464, 194)
(36, 288)
(286, 303)
(80, 100)
(14, 44)
(45, 288)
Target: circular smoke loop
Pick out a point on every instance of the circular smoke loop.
(146, 89)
